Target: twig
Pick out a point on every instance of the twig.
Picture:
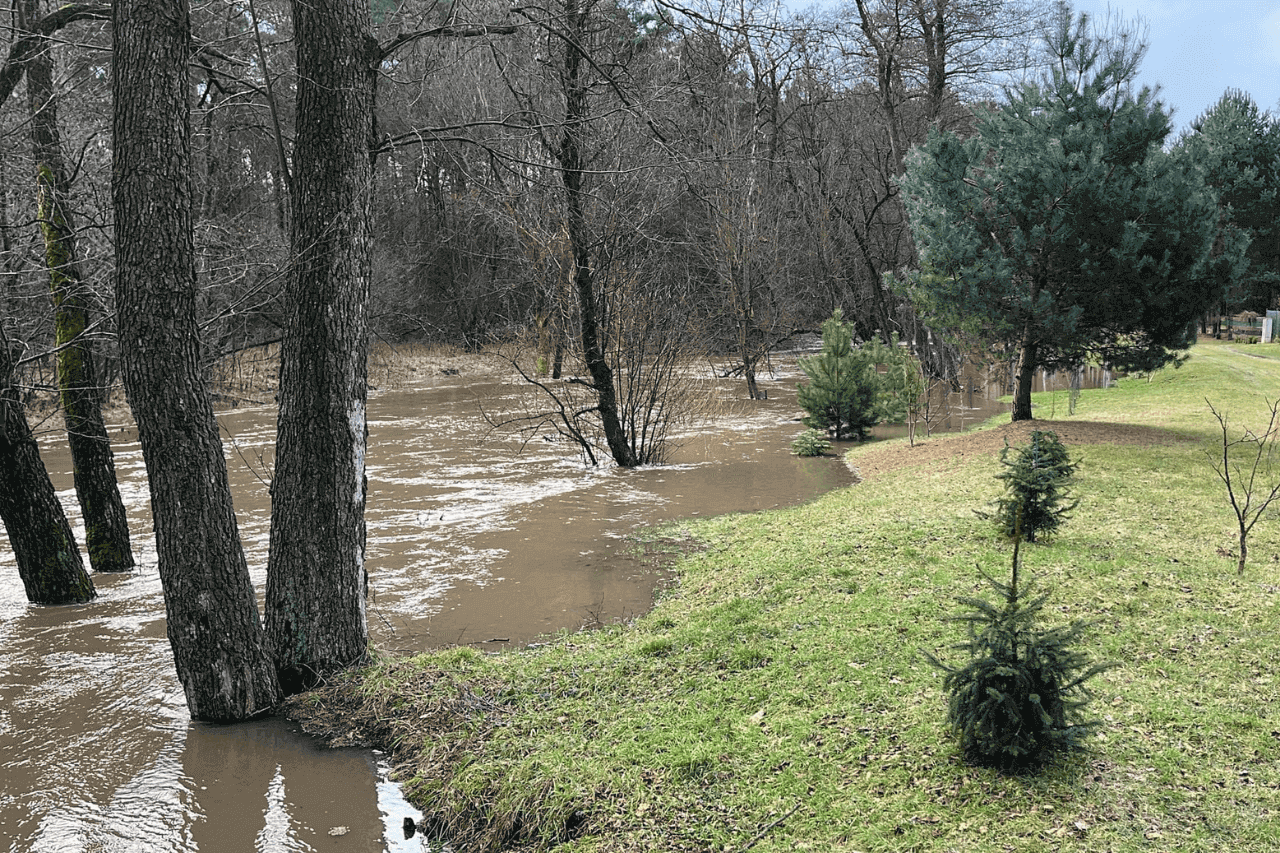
(762, 833)
(385, 620)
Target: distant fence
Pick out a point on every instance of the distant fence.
(1251, 325)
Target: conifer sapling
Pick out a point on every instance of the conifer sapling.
(1020, 698)
(1036, 498)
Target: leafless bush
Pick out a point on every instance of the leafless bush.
(1247, 467)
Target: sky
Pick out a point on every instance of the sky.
(1200, 48)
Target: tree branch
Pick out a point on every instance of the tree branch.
(15, 65)
(447, 31)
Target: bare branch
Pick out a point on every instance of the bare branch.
(1247, 503)
(15, 65)
(447, 31)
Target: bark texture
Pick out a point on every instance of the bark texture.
(1027, 356)
(49, 563)
(213, 621)
(105, 522)
(316, 582)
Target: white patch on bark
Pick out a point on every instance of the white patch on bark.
(226, 685)
(356, 418)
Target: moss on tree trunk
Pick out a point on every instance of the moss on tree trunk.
(93, 465)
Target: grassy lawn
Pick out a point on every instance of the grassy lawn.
(777, 698)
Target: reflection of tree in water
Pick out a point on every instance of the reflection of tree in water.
(266, 768)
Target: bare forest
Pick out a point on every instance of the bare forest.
(723, 172)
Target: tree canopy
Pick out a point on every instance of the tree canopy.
(1061, 231)
(1237, 147)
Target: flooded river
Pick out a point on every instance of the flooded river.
(471, 540)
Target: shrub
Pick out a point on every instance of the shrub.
(811, 442)
(1036, 497)
(1020, 698)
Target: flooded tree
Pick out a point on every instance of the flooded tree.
(576, 75)
(45, 548)
(212, 616)
(316, 583)
(93, 464)
(581, 83)
(737, 74)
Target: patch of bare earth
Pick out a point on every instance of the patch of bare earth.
(945, 450)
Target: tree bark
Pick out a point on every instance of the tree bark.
(213, 622)
(572, 170)
(1026, 375)
(316, 580)
(49, 563)
(105, 522)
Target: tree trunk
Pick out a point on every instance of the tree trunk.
(572, 169)
(1026, 375)
(105, 523)
(560, 319)
(316, 581)
(43, 545)
(213, 621)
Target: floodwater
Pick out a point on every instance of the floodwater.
(472, 539)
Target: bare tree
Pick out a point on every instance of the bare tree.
(906, 66)
(737, 69)
(1247, 467)
(80, 390)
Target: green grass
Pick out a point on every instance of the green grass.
(776, 698)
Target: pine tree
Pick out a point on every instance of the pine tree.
(840, 396)
(846, 394)
(1020, 698)
(1061, 229)
(1237, 147)
(1036, 497)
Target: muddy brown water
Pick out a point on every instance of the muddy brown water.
(471, 540)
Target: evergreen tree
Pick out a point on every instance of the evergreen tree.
(846, 394)
(1061, 231)
(1036, 497)
(1020, 698)
(839, 396)
(1237, 147)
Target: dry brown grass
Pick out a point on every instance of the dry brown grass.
(941, 451)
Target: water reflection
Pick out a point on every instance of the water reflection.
(304, 795)
(98, 754)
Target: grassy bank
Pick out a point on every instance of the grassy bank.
(776, 698)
